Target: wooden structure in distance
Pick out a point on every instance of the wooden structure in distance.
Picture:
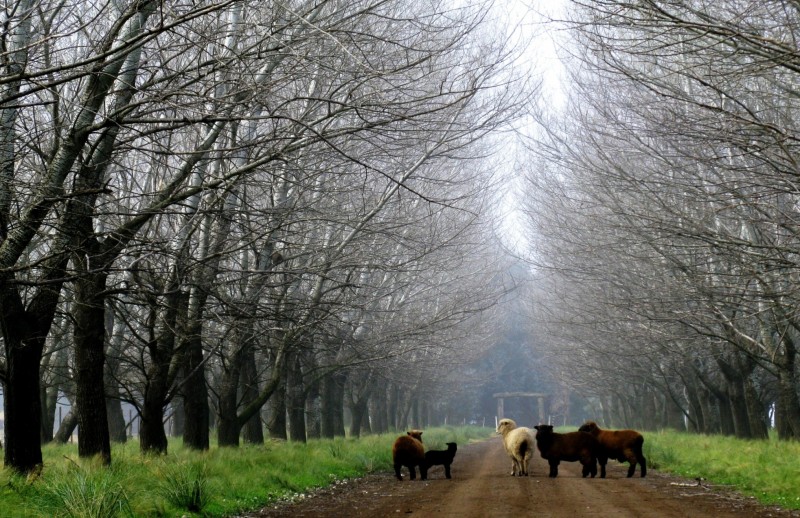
(540, 399)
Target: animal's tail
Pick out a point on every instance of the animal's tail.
(523, 448)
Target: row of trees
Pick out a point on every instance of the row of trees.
(665, 218)
(208, 206)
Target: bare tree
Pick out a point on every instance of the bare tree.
(230, 181)
(673, 195)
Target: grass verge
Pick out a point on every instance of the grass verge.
(219, 482)
(769, 469)
(226, 481)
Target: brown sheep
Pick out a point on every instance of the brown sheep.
(519, 445)
(571, 447)
(408, 451)
(620, 445)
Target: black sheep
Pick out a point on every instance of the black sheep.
(572, 446)
(444, 457)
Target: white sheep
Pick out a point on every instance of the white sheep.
(519, 444)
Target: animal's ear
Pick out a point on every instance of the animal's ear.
(537, 426)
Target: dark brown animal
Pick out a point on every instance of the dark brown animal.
(571, 447)
(408, 451)
(620, 445)
(443, 457)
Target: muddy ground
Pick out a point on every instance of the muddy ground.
(482, 487)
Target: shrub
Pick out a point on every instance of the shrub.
(185, 486)
(85, 494)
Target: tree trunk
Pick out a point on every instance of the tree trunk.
(333, 404)
(117, 431)
(178, 418)
(23, 411)
(313, 412)
(75, 227)
(49, 399)
(360, 389)
(644, 410)
(394, 407)
(295, 399)
(697, 423)
(738, 406)
(710, 413)
(359, 412)
(66, 428)
(195, 396)
(788, 400)
(327, 398)
(276, 423)
(152, 436)
(721, 403)
(726, 422)
(228, 427)
(605, 407)
(24, 336)
(625, 406)
(405, 420)
(229, 423)
(378, 410)
(160, 372)
(90, 397)
(116, 420)
(253, 431)
(788, 405)
(59, 376)
(756, 411)
(674, 416)
(416, 422)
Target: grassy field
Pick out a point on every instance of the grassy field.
(768, 470)
(220, 482)
(223, 482)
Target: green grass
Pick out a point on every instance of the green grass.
(226, 481)
(768, 470)
(219, 482)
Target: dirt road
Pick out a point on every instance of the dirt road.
(482, 487)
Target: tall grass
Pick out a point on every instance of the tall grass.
(219, 482)
(227, 481)
(92, 493)
(767, 469)
(185, 486)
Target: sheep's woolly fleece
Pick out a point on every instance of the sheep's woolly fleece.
(621, 445)
(519, 445)
(408, 451)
